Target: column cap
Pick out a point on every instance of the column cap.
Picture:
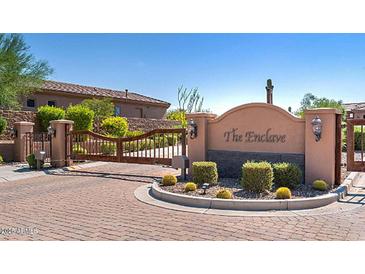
(62, 122)
(24, 123)
(201, 115)
(322, 111)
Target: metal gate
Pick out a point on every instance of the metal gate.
(35, 142)
(355, 143)
(158, 146)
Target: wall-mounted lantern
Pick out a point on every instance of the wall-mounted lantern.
(51, 131)
(192, 129)
(317, 127)
(13, 132)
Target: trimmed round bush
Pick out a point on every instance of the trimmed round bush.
(78, 149)
(82, 116)
(320, 185)
(3, 125)
(205, 172)
(108, 149)
(287, 175)
(169, 180)
(224, 194)
(283, 193)
(190, 186)
(1, 160)
(257, 176)
(45, 114)
(115, 126)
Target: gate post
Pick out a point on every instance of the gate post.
(20, 140)
(320, 156)
(59, 142)
(197, 147)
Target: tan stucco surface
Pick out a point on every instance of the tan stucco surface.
(285, 132)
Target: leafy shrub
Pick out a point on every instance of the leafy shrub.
(287, 175)
(177, 115)
(133, 133)
(3, 124)
(257, 177)
(82, 116)
(283, 193)
(142, 145)
(190, 186)
(45, 114)
(1, 160)
(115, 126)
(205, 172)
(108, 149)
(78, 149)
(32, 162)
(169, 180)
(357, 138)
(320, 185)
(224, 194)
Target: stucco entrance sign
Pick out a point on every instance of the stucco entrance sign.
(256, 127)
(262, 131)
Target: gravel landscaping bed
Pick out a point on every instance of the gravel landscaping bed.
(233, 185)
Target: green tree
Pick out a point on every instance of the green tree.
(103, 108)
(20, 72)
(311, 101)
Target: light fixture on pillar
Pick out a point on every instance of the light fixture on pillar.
(317, 127)
(13, 132)
(51, 131)
(192, 129)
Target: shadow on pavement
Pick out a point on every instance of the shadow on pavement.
(108, 175)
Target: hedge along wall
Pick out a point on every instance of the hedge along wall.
(147, 124)
(143, 124)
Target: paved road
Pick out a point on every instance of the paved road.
(95, 205)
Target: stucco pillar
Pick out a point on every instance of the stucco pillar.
(21, 128)
(58, 158)
(197, 147)
(320, 156)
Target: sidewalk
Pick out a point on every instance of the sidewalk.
(22, 171)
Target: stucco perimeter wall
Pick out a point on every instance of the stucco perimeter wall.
(257, 127)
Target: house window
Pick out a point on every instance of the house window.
(52, 103)
(30, 103)
(117, 111)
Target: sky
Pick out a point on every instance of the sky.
(228, 69)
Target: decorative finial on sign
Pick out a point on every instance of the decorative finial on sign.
(269, 91)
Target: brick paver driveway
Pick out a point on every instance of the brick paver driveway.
(95, 205)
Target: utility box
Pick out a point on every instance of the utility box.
(181, 162)
(40, 156)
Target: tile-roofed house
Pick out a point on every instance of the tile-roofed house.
(127, 104)
(358, 109)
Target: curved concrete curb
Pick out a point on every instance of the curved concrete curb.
(143, 194)
(214, 203)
